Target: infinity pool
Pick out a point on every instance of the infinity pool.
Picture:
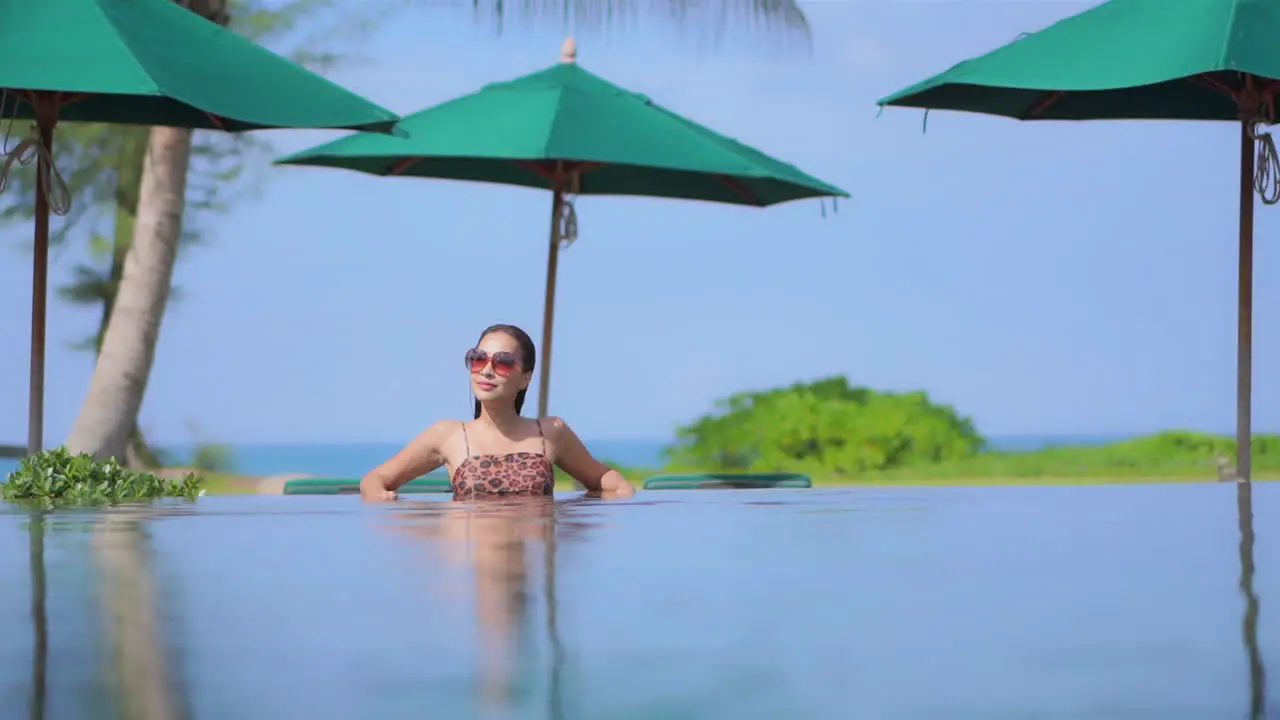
(1096, 602)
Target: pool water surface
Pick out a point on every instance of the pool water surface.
(1089, 602)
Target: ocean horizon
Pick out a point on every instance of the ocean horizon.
(357, 459)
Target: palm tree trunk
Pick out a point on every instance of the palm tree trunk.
(108, 418)
(129, 165)
(137, 454)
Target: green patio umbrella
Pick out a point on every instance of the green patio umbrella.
(143, 62)
(571, 132)
(1144, 60)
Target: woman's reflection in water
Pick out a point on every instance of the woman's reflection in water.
(494, 539)
(1257, 672)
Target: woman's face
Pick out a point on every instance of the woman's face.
(497, 368)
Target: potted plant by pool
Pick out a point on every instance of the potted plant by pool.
(56, 478)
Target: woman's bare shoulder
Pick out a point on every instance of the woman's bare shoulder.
(556, 430)
(438, 435)
(446, 426)
(443, 430)
(553, 425)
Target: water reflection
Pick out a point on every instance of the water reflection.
(92, 586)
(495, 542)
(141, 671)
(1257, 672)
(716, 591)
(555, 701)
(39, 619)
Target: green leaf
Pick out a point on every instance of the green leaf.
(56, 478)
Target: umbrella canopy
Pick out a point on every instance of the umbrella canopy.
(1144, 59)
(144, 62)
(1124, 59)
(513, 133)
(566, 130)
(153, 62)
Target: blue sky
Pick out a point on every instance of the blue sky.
(1050, 278)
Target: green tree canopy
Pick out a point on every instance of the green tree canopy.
(828, 428)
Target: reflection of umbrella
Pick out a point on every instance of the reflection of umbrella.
(1257, 672)
(571, 132)
(1143, 59)
(39, 620)
(143, 62)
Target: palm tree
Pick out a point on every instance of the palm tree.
(109, 414)
(108, 423)
(117, 153)
(96, 286)
(102, 165)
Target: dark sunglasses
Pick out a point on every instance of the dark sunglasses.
(504, 363)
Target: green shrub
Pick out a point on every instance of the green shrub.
(56, 477)
(210, 458)
(827, 428)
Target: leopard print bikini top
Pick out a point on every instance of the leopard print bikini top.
(516, 473)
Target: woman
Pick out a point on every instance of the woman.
(500, 454)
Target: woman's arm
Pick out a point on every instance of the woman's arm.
(574, 458)
(424, 454)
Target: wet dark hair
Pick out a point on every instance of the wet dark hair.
(528, 356)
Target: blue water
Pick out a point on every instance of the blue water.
(1124, 603)
(356, 459)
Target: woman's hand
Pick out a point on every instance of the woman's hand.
(574, 458)
(372, 490)
(420, 457)
(614, 486)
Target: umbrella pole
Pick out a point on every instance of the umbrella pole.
(1244, 337)
(549, 309)
(46, 117)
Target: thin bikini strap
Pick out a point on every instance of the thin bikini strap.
(466, 443)
(538, 422)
